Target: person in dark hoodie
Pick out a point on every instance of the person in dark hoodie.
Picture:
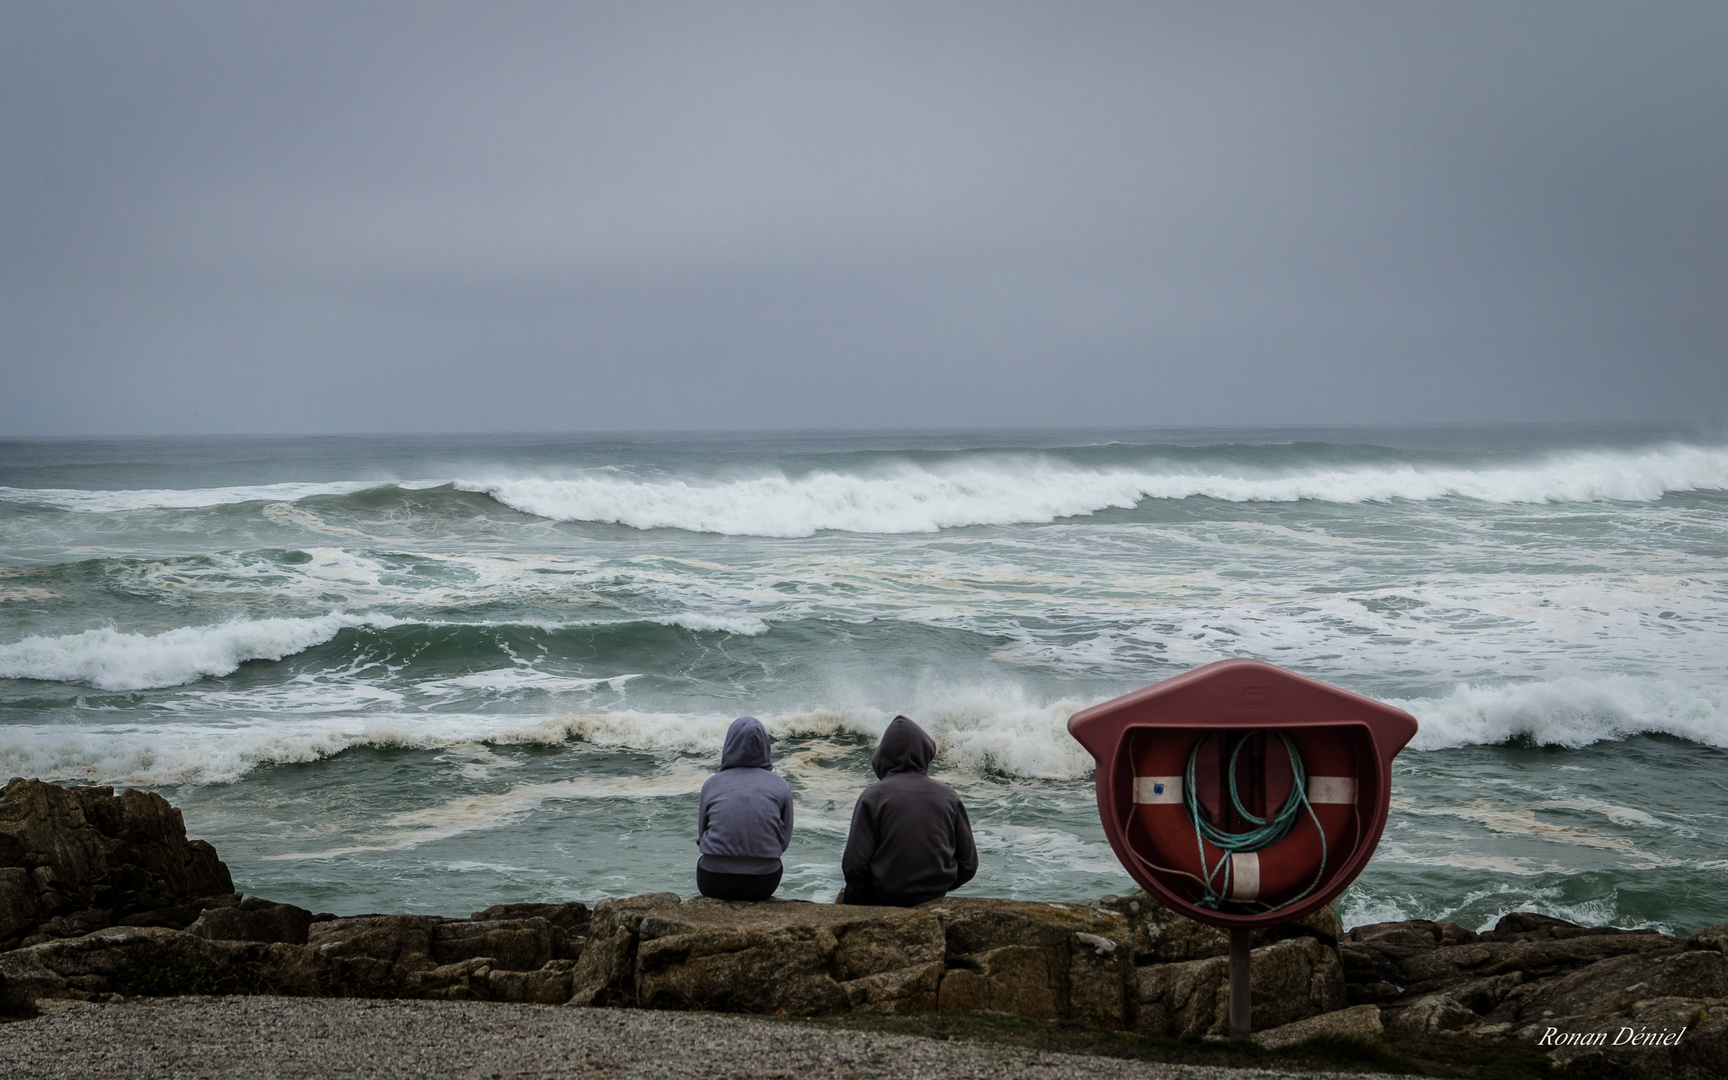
(910, 840)
(745, 820)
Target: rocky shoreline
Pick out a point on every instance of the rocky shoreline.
(102, 897)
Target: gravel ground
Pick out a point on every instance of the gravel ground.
(297, 1037)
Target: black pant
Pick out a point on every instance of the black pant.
(860, 893)
(737, 886)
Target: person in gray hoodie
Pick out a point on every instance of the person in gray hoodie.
(911, 840)
(745, 820)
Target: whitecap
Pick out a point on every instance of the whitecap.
(111, 659)
(1574, 712)
(1003, 489)
(112, 500)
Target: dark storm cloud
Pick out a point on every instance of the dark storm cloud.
(389, 217)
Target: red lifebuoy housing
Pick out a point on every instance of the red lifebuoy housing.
(1143, 742)
(1163, 836)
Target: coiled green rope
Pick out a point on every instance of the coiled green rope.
(1262, 836)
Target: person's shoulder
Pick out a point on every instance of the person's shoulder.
(923, 780)
(877, 789)
(937, 787)
(923, 784)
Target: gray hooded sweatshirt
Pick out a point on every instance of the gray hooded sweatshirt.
(746, 817)
(911, 840)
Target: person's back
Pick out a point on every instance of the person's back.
(910, 840)
(745, 820)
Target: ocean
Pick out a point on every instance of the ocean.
(428, 674)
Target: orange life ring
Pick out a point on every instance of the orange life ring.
(1167, 843)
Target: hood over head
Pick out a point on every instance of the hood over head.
(746, 745)
(904, 748)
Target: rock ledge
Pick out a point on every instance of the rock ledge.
(102, 894)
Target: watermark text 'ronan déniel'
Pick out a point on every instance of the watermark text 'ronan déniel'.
(1624, 1037)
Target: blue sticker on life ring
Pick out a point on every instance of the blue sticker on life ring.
(1157, 789)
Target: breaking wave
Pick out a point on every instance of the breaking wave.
(979, 730)
(892, 494)
(1571, 712)
(119, 660)
(110, 659)
(110, 501)
(905, 497)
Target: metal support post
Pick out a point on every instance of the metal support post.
(1241, 1004)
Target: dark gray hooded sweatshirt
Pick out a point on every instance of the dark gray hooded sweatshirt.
(746, 817)
(910, 840)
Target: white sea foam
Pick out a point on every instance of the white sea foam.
(1005, 730)
(981, 732)
(1485, 906)
(978, 732)
(515, 681)
(702, 622)
(975, 489)
(472, 813)
(1052, 850)
(1004, 489)
(112, 659)
(160, 754)
(1570, 712)
(903, 499)
(285, 513)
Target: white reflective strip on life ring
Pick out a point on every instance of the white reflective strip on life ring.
(1245, 876)
(1157, 789)
(1332, 789)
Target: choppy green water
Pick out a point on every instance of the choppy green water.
(429, 675)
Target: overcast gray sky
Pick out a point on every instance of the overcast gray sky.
(308, 217)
